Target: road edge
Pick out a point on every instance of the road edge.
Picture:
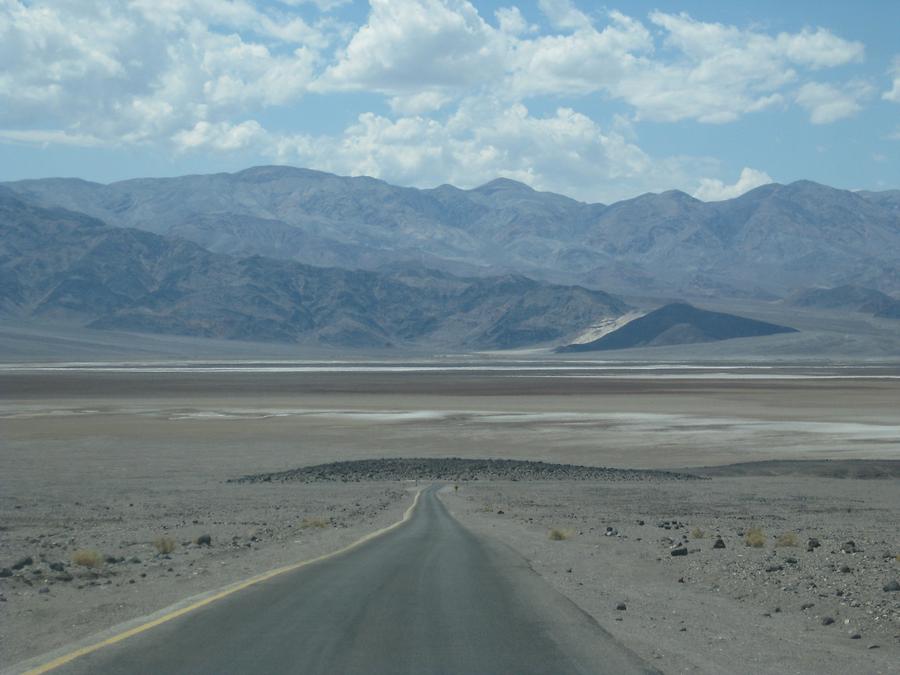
(59, 657)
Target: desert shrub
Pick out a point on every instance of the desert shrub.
(87, 558)
(697, 533)
(315, 523)
(164, 545)
(558, 535)
(755, 537)
(786, 539)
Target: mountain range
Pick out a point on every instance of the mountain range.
(66, 266)
(766, 243)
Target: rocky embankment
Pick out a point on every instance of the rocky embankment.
(454, 469)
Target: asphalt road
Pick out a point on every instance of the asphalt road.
(426, 597)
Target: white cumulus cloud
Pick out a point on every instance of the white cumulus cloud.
(460, 90)
(564, 152)
(142, 71)
(410, 45)
(828, 103)
(715, 190)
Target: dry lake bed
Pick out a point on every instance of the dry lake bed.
(113, 459)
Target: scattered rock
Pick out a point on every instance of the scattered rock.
(621, 607)
(807, 605)
(813, 543)
(849, 547)
(206, 540)
(23, 562)
(455, 469)
(500, 512)
(855, 636)
(44, 589)
(774, 568)
(679, 550)
(719, 543)
(5, 572)
(891, 586)
(827, 620)
(845, 569)
(57, 566)
(611, 532)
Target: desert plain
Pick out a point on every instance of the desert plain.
(114, 458)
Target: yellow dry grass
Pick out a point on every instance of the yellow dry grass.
(164, 545)
(755, 537)
(87, 558)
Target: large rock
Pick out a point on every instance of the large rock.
(23, 562)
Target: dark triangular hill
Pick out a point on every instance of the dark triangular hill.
(679, 323)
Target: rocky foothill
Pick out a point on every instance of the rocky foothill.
(457, 470)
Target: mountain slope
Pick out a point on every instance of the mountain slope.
(766, 242)
(679, 323)
(60, 264)
(850, 298)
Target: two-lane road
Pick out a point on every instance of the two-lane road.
(426, 597)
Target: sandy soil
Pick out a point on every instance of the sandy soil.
(112, 460)
(734, 610)
(648, 420)
(253, 528)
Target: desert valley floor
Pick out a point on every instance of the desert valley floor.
(111, 457)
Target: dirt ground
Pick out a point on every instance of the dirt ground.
(112, 461)
(737, 609)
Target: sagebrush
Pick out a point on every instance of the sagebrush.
(755, 537)
(87, 558)
(164, 545)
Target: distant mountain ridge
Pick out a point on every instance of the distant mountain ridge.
(677, 324)
(764, 243)
(851, 298)
(60, 264)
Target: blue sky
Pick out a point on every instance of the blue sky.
(600, 102)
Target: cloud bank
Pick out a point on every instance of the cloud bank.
(194, 76)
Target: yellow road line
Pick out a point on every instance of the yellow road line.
(124, 635)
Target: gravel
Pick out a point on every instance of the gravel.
(455, 469)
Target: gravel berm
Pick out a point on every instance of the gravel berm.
(455, 469)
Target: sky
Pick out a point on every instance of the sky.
(600, 102)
